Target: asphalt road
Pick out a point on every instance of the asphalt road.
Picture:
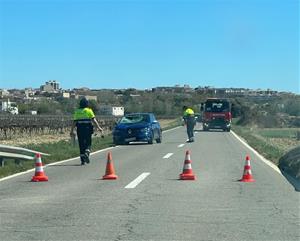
(75, 204)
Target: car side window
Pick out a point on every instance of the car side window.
(152, 118)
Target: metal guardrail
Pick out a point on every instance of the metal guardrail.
(17, 153)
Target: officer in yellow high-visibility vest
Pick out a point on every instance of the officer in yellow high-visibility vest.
(84, 118)
(189, 120)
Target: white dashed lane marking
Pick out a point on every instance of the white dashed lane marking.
(168, 155)
(181, 145)
(138, 180)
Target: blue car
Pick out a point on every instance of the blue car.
(137, 127)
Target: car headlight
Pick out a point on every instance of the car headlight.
(145, 130)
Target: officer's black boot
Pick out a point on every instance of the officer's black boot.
(82, 158)
(87, 155)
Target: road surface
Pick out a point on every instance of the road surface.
(148, 202)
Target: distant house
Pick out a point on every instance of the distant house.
(66, 95)
(50, 86)
(31, 112)
(4, 93)
(9, 107)
(111, 110)
(175, 89)
(84, 89)
(29, 93)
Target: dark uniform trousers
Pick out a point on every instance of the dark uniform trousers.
(190, 124)
(84, 134)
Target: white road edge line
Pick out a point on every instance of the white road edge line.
(138, 180)
(172, 129)
(181, 145)
(168, 155)
(269, 163)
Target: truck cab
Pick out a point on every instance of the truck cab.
(216, 114)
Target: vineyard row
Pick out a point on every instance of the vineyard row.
(14, 126)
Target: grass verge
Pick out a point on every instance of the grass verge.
(271, 143)
(58, 151)
(269, 151)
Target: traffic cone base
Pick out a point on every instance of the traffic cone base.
(187, 176)
(39, 175)
(247, 179)
(110, 170)
(110, 177)
(39, 179)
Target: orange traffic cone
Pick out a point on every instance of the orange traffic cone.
(187, 173)
(39, 175)
(247, 176)
(110, 170)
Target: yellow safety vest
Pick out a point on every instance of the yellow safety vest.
(83, 114)
(188, 112)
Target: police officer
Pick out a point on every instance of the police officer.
(189, 120)
(84, 118)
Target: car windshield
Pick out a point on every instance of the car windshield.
(217, 106)
(132, 119)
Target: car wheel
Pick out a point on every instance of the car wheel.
(159, 139)
(150, 141)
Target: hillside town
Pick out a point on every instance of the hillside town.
(51, 90)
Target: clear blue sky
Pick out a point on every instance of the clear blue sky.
(144, 44)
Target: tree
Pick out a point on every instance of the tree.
(292, 107)
(94, 106)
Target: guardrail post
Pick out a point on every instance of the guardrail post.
(1, 162)
(17, 162)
